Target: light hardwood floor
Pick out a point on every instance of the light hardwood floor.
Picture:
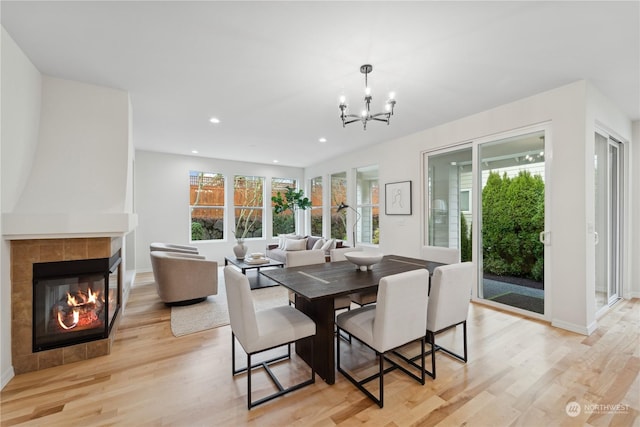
(520, 373)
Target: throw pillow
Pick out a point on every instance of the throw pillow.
(318, 244)
(283, 237)
(295, 245)
(328, 245)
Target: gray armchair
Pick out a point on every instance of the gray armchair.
(173, 247)
(183, 278)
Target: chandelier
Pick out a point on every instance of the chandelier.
(366, 115)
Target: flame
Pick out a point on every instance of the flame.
(80, 303)
(91, 299)
(76, 319)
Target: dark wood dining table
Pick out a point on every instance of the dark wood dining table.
(316, 286)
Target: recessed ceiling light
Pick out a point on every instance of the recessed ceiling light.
(194, 151)
(276, 161)
(214, 120)
(323, 140)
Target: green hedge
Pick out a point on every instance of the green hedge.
(512, 219)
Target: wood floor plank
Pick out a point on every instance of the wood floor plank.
(521, 372)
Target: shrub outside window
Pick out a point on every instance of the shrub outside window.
(284, 222)
(316, 206)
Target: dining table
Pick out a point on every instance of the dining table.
(317, 285)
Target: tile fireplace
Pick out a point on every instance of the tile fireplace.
(65, 295)
(74, 301)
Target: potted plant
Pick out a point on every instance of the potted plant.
(292, 200)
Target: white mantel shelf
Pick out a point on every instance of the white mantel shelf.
(77, 225)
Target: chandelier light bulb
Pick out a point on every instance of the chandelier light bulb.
(343, 100)
(364, 113)
(367, 91)
(392, 95)
(387, 106)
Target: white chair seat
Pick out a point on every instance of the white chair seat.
(279, 325)
(359, 322)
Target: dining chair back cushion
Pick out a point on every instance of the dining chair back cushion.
(242, 314)
(401, 311)
(299, 258)
(440, 254)
(399, 317)
(450, 295)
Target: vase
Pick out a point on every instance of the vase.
(240, 250)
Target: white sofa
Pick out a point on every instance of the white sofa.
(278, 251)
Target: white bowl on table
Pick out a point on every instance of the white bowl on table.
(363, 260)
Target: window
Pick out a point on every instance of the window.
(368, 205)
(338, 195)
(206, 202)
(248, 200)
(316, 206)
(283, 222)
(465, 199)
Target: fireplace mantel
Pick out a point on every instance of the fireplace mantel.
(21, 226)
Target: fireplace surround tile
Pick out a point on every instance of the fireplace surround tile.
(75, 249)
(50, 358)
(74, 353)
(25, 363)
(24, 253)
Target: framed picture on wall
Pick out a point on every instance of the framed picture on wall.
(397, 198)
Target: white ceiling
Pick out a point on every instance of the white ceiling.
(273, 71)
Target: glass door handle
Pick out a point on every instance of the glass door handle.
(545, 237)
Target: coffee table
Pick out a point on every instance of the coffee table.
(258, 280)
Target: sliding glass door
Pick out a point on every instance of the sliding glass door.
(608, 183)
(449, 184)
(512, 222)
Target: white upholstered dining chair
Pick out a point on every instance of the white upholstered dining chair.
(258, 331)
(448, 306)
(398, 318)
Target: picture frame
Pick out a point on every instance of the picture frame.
(397, 200)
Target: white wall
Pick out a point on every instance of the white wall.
(81, 174)
(83, 149)
(571, 160)
(162, 201)
(20, 105)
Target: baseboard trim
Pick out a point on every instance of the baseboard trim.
(6, 377)
(578, 329)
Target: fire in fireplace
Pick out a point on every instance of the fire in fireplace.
(74, 301)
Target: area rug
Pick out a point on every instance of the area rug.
(524, 302)
(213, 312)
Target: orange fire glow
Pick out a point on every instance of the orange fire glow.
(82, 310)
